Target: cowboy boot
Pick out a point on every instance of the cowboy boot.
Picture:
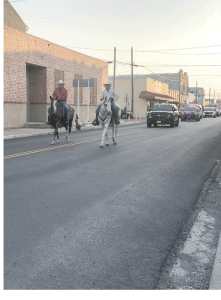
(95, 122)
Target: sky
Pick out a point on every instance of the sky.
(166, 35)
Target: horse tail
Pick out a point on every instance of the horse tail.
(71, 118)
(70, 125)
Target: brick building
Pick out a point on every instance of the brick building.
(32, 68)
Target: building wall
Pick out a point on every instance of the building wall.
(155, 86)
(142, 83)
(12, 19)
(123, 86)
(22, 50)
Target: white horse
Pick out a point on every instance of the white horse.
(104, 118)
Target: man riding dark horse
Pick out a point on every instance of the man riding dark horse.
(111, 94)
(62, 94)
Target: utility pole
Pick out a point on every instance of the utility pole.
(209, 94)
(132, 83)
(179, 89)
(196, 94)
(114, 68)
(214, 96)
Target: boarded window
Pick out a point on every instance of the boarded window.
(77, 76)
(93, 92)
(58, 74)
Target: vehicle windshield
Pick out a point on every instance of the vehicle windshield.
(162, 107)
(190, 109)
(209, 109)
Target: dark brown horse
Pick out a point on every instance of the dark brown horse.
(58, 118)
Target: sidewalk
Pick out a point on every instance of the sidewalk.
(214, 190)
(44, 129)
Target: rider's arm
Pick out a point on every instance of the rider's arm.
(102, 96)
(116, 96)
(55, 93)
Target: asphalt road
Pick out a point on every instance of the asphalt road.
(80, 217)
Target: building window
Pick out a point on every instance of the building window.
(93, 92)
(58, 75)
(77, 76)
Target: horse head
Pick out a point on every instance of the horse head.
(54, 104)
(106, 107)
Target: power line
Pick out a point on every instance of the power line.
(184, 65)
(178, 49)
(186, 53)
(167, 65)
(145, 50)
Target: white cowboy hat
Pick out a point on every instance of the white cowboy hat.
(60, 82)
(107, 82)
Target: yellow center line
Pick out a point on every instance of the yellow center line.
(62, 146)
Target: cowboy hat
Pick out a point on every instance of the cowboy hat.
(107, 82)
(60, 82)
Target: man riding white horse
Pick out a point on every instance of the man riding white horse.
(109, 94)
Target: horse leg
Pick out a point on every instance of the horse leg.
(102, 137)
(67, 135)
(107, 142)
(57, 126)
(105, 126)
(114, 134)
(55, 133)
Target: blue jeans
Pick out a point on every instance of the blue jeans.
(64, 103)
(115, 110)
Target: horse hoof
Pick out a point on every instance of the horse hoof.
(53, 142)
(101, 146)
(115, 143)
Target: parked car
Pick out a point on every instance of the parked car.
(191, 112)
(162, 114)
(209, 112)
(124, 113)
(180, 111)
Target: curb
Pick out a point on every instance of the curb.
(83, 128)
(215, 281)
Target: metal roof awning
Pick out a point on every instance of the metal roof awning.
(155, 96)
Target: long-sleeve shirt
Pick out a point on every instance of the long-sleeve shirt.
(61, 93)
(110, 93)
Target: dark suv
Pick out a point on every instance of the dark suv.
(191, 112)
(162, 114)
